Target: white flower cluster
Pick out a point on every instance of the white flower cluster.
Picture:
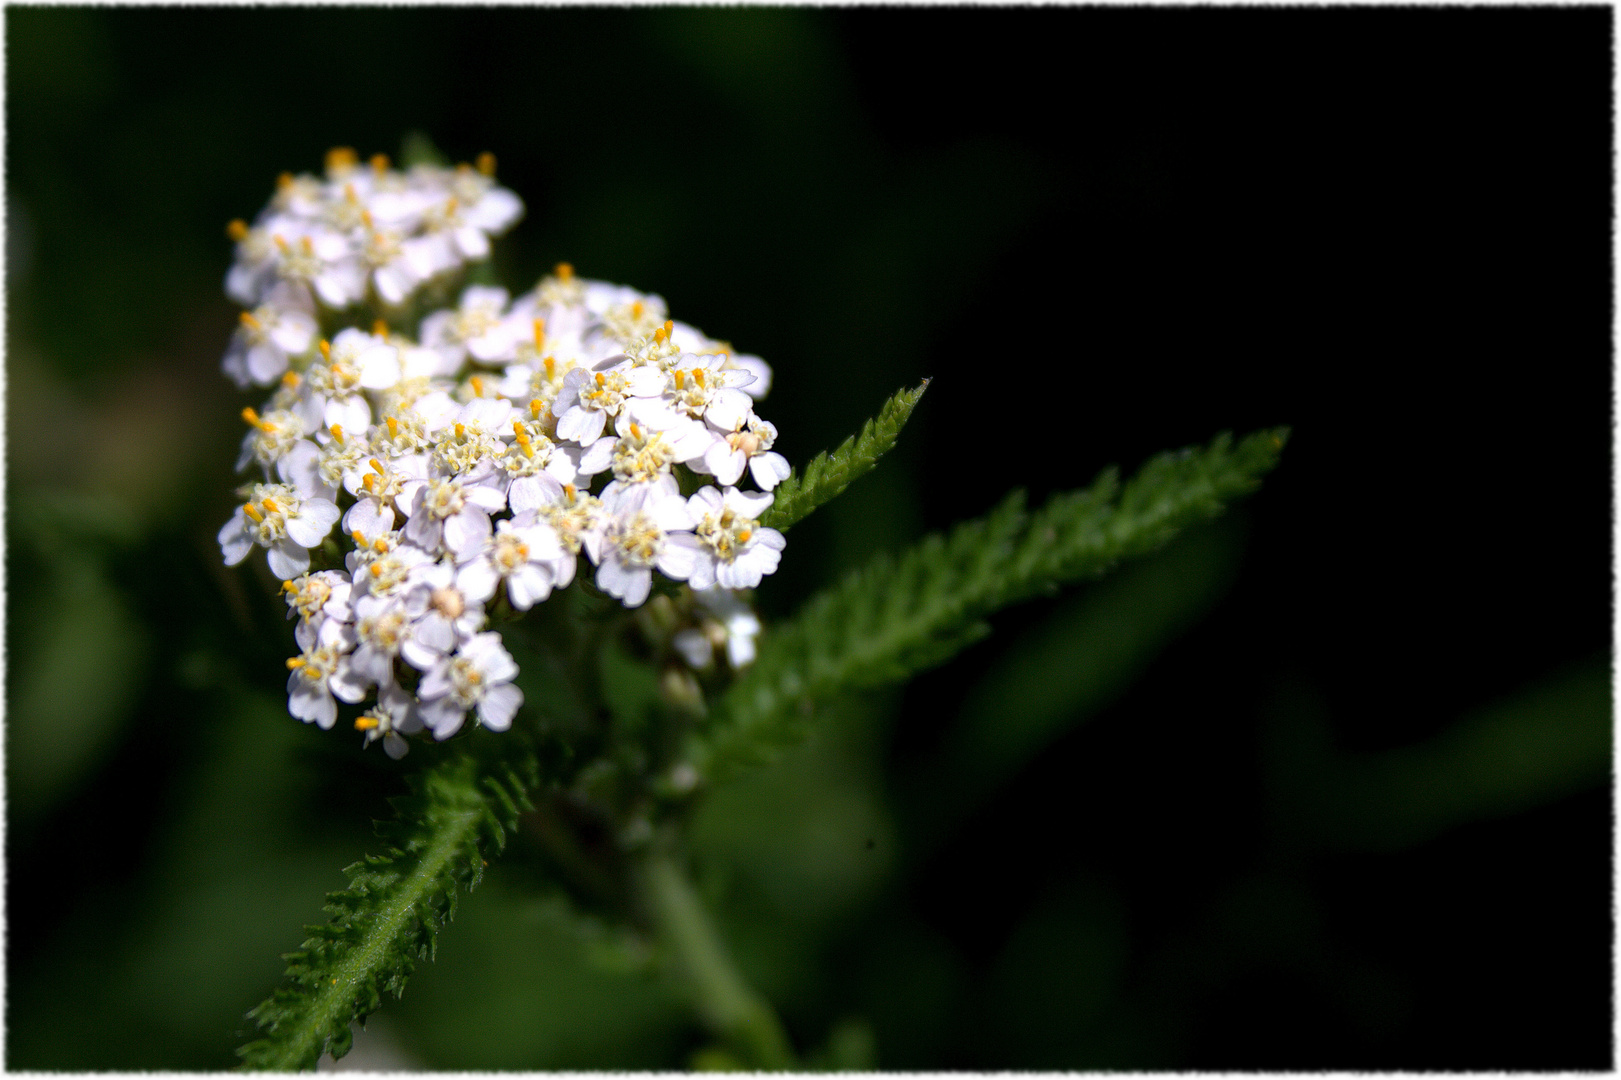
(461, 463)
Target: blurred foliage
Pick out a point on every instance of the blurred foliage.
(1320, 786)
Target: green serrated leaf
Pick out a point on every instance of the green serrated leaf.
(828, 475)
(390, 916)
(895, 617)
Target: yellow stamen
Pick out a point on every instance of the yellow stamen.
(251, 417)
(378, 465)
(636, 310)
(281, 243)
(518, 432)
(478, 386)
(461, 431)
(340, 158)
(365, 217)
(380, 545)
(250, 322)
(337, 433)
(237, 230)
(564, 272)
(288, 586)
(326, 350)
(285, 180)
(349, 193)
(568, 489)
(743, 537)
(376, 569)
(550, 364)
(540, 334)
(291, 379)
(379, 163)
(485, 163)
(450, 206)
(635, 431)
(393, 426)
(366, 481)
(309, 245)
(295, 662)
(360, 537)
(535, 405)
(601, 380)
(253, 512)
(698, 376)
(270, 506)
(379, 328)
(365, 723)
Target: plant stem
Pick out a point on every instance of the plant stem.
(727, 1004)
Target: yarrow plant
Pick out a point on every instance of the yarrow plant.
(544, 514)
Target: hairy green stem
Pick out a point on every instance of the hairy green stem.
(728, 1005)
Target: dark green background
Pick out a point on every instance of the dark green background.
(1341, 796)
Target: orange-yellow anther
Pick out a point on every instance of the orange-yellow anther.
(250, 322)
(360, 537)
(461, 431)
(743, 537)
(379, 163)
(564, 272)
(326, 350)
(291, 379)
(308, 245)
(288, 586)
(285, 180)
(477, 384)
(550, 364)
(540, 334)
(636, 310)
(379, 328)
(365, 217)
(337, 433)
(341, 157)
(519, 433)
(376, 569)
(568, 489)
(281, 243)
(295, 662)
(252, 511)
(349, 193)
(378, 465)
(485, 163)
(535, 405)
(251, 417)
(698, 376)
(365, 723)
(380, 546)
(269, 505)
(450, 205)
(393, 426)
(367, 481)
(635, 431)
(237, 229)
(601, 380)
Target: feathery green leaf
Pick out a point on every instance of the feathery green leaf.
(390, 916)
(828, 475)
(895, 616)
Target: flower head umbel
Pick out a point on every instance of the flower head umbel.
(475, 464)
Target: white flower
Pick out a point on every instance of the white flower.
(645, 532)
(453, 513)
(275, 518)
(589, 398)
(726, 457)
(728, 622)
(283, 326)
(735, 552)
(528, 556)
(394, 716)
(315, 598)
(479, 327)
(479, 676)
(317, 675)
